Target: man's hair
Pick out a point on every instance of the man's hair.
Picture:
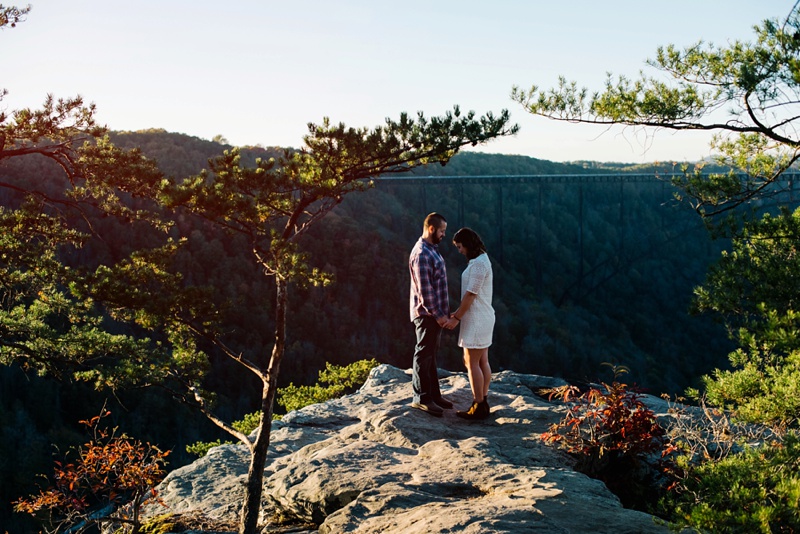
(470, 240)
(433, 219)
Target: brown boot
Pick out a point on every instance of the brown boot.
(483, 409)
(472, 413)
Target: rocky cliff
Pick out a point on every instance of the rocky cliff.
(369, 463)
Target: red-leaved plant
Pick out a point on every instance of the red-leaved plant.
(109, 482)
(608, 429)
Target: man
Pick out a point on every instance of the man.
(430, 312)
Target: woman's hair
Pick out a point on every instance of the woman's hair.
(469, 239)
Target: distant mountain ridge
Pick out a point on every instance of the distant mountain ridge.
(182, 155)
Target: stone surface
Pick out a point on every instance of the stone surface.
(369, 463)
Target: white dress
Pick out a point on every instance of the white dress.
(477, 324)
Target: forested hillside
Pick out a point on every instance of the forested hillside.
(606, 274)
(585, 273)
(607, 278)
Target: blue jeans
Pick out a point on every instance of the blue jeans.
(425, 377)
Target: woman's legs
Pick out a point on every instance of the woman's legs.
(479, 372)
(486, 370)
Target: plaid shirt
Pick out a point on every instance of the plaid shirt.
(428, 294)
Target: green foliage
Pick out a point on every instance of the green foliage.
(162, 524)
(766, 395)
(249, 423)
(192, 521)
(46, 326)
(351, 376)
(756, 82)
(757, 490)
(758, 276)
(754, 288)
(340, 380)
(201, 448)
(52, 322)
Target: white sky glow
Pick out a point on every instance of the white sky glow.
(257, 71)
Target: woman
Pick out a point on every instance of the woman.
(476, 317)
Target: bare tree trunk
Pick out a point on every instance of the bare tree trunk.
(258, 459)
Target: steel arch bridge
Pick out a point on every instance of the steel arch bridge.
(582, 186)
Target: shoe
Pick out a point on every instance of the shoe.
(478, 410)
(443, 403)
(471, 413)
(428, 407)
(483, 408)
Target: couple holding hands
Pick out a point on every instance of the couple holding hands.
(430, 313)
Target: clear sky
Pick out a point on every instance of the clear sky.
(257, 71)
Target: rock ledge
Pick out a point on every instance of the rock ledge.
(369, 463)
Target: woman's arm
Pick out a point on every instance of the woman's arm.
(466, 302)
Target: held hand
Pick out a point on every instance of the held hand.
(451, 323)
